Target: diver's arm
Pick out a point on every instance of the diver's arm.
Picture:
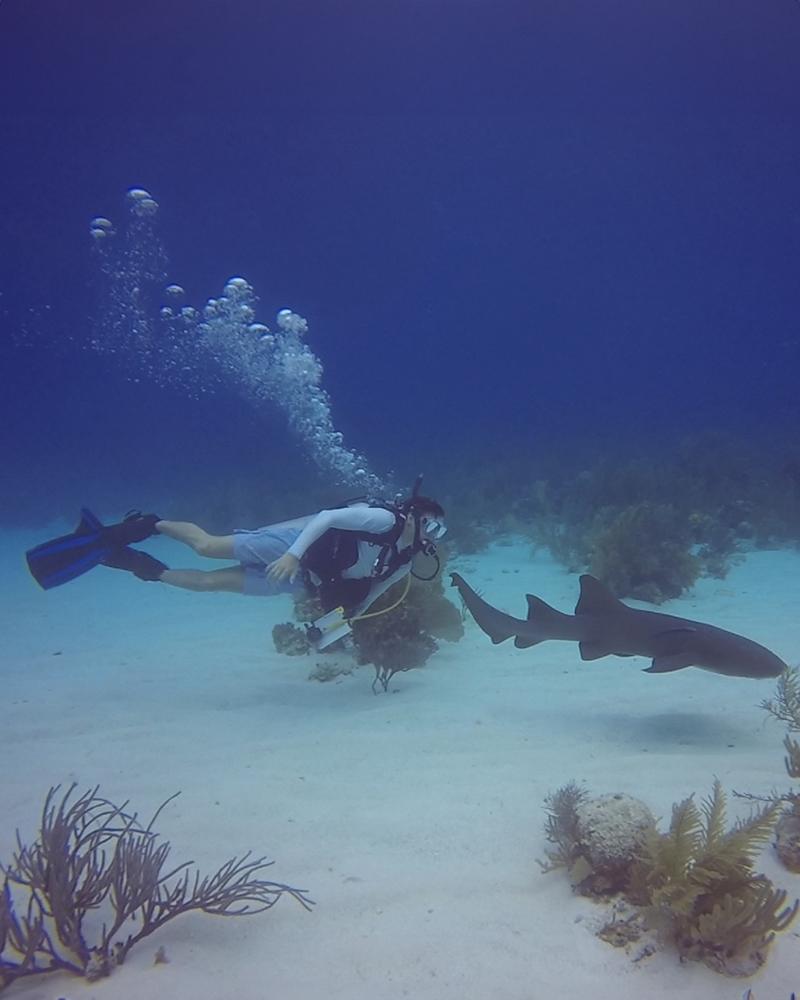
(374, 520)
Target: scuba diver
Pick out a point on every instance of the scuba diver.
(347, 556)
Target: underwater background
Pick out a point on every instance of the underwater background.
(528, 238)
(262, 257)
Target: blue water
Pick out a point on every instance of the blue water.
(530, 239)
(548, 227)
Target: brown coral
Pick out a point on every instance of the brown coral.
(643, 552)
(786, 708)
(695, 884)
(405, 636)
(698, 885)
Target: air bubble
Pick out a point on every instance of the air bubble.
(197, 351)
(145, 207)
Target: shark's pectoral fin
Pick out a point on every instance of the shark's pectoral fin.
(672, 661)
(522, 643)
(674, 649)
(593, 650)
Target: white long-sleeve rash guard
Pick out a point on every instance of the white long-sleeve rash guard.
(374, 520)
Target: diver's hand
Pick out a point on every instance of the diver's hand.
(285, 568)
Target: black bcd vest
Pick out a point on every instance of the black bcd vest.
(337, 550)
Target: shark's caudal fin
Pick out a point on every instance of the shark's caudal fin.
(496, 624)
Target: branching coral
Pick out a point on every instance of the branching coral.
(707, 483)
(785, 707)
(643, 552)
(93, 857)
(397, 633)
(733, 938)
(437, 615)
(395, 641)
(405, 637)
(697, 884)
(291, 640)
(562, 828)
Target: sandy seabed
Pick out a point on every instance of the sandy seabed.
(413, 818)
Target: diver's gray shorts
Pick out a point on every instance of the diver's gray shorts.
(255, 550)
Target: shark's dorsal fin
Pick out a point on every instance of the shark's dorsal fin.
(596, 598)
(539, 611)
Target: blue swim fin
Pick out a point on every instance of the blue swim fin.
(93, 543)
(69, 556)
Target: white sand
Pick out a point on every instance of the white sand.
(413, 818)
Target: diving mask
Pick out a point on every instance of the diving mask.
(433, 528)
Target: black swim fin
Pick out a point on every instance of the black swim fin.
(70, 556)
(141, 564)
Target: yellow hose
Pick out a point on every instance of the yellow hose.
(374, 614)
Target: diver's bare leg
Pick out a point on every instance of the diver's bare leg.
(229, 580)
(210, 546)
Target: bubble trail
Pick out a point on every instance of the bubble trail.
(153, 334)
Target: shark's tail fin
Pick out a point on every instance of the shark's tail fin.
(542, 623)
(496, 624)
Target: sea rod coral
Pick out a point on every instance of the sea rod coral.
(92, 857)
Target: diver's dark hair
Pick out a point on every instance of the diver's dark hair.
(423, 505)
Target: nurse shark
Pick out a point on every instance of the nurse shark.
(603, 626)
